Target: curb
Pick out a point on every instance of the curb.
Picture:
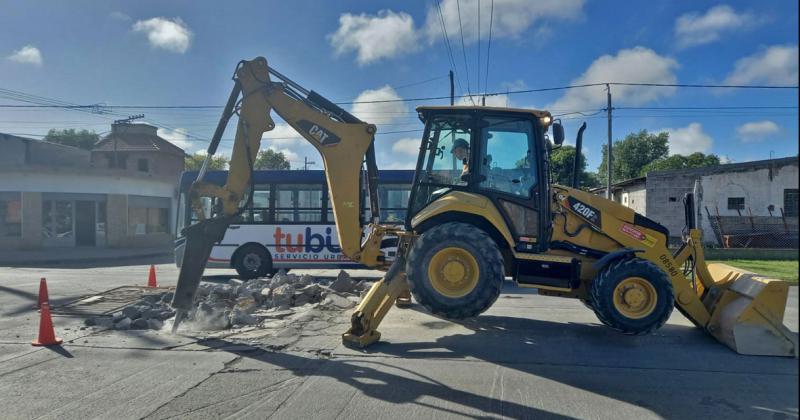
(61, 261)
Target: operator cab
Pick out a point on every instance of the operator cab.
(497, 153)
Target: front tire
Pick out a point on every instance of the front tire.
(633, 296)
(455, 270)
(252, 261)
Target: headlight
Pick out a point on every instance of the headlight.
(546, 121)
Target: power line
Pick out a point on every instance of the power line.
(489, 47)
(478, 77)
(419, 99)
(464, 51)
(421, 82)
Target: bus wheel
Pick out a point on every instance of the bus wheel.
(252, 261)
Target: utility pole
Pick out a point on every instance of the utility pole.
(609, 160)
(452, 90)
(307, 162)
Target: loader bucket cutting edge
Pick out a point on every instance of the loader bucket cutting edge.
(747, 313)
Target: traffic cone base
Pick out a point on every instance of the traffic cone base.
(47, 336)
(151, 279)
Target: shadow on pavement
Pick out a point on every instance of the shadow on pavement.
(375, 381)
(642, 371)
(60, 350)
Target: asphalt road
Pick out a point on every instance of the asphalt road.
(529, 356)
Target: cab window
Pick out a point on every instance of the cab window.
(507, 162)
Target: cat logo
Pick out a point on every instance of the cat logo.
(585, 211)
(320, 134)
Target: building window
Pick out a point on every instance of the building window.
(10, 214)
(735, 203)
(147, 215)
(790, 202)
(57, 219)
(143, 165)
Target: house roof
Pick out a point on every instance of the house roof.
(730, 167)
(621, 184)
(122, 139)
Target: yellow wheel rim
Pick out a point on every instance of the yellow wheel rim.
(635, 297)
(453, 272)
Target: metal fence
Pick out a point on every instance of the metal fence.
(748, 231)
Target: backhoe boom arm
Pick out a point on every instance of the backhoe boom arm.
(342, 140)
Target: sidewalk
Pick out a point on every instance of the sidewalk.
(83, 255)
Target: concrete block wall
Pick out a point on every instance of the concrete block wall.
(665, 200)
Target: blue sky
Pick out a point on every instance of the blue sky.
(183, 53)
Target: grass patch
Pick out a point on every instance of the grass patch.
(778, 269)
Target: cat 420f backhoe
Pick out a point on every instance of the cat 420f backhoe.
(482, 208)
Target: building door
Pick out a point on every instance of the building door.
(85, 223)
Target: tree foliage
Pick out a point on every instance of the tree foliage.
(83, 139)
(561, 164)
(695, 160)
(270, 159)
(632, 154)
(195, 161)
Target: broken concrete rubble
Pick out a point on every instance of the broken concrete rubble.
(266, 303)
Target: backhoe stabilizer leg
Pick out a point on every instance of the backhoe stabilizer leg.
(375, 305)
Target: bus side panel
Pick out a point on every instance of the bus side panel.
(290, 245)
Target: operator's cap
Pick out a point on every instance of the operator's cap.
(460, 143)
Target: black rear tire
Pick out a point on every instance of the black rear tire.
(252, 261)
(464, 237)
(605, 286)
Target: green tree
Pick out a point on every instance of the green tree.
(561, 164)
(83, 139)
(270, 159)
(195, 161)
(695, 160)
(633, 153)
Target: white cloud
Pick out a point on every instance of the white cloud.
(756, 131)
(168, 34)
(282, 135)
(117, 15)
(407, 146)
(27, 55)
(725, 159)
(693, 29)
(385, 35)
(379, 112)
(637, 65)
(776, 65)
(511, 18)
(179, 138)
(290, 155)
(688, 140)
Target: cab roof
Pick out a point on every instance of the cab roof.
(435, 109)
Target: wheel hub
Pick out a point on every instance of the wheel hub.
(453, 272)
(635, 297)
(252, 262)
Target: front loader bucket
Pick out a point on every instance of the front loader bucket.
(747, 312)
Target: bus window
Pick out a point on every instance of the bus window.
(261, 204)
(394, 203)
(298, 203)
(309, 204)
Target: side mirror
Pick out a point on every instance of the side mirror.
(558, 133)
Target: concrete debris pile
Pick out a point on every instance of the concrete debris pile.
(246, 303)
(148, 313)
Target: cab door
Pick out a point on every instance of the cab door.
(509, 173)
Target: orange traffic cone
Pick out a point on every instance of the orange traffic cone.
(151, 280)
(47, 336)
(42, 293)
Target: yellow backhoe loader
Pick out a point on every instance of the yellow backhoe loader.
(482, 208)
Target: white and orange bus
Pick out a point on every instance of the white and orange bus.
(290, 223)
